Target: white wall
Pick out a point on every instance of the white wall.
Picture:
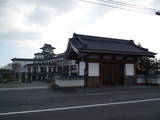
(39, 56)
(69, 83)
(140, 80)
(93, 69)
(151, 80)
(129, 69)
(81, 68)
(22, 64)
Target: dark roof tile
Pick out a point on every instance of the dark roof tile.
(22, 59)
(108, 45)
(47, 46)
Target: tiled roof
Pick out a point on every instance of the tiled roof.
(38, 54)
(107, 45)
(61, 55)
(39, 64)
(22, 59)
(47, 46)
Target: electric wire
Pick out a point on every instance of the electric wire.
(124, 6)
(127, 4)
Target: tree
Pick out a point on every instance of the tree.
(6, 75)
(147, 65)
(16, 68)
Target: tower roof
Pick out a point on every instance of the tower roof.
(47, 46)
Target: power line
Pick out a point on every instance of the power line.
(127, 4)
(124, 6)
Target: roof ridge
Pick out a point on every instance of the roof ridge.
(142, 48)
(108, 39)
(79, 44)
(82, 42)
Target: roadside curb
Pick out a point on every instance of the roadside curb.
(23, 88)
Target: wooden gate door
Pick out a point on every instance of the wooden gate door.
(112, 74)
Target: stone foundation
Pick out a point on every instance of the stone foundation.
(130, 80)
(93, 81)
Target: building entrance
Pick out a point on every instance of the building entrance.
(112, 74)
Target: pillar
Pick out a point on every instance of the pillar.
(39, 69)
(36, 69)
(52, 69)
(31, 69)
(31, 78)
(41, 77)
(26, 74)
(36, 77)
(69, 69)
(47, 69)
(56, 68)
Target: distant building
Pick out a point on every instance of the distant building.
(44, 66)
(7, 67)
(19, 67)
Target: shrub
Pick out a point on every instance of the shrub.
(6, 75)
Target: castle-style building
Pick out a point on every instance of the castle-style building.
(44, 66)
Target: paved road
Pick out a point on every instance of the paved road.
(42, 99)
(135, 111)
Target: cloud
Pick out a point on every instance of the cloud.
(58, 5)
(27, 24)
(155, 4)
(41, 15)
(4, 3)
(18, 35)
(44, 11)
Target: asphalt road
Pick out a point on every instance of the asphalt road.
(136, 111)
(42, 99)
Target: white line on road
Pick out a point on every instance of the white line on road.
(82, 106)
(23, 88)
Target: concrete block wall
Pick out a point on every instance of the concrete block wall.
(155, 79)
(69, 82)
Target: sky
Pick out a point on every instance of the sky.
(25, 25)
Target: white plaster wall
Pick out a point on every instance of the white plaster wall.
(93, 69)
(140, 80)
(69, 83)
(129, 69)
(22, 64)
(154, 80)
(81, 68)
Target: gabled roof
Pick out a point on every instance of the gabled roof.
(22, 59)
(47, 46)
(60, 55)
(38, 54)
(86, 43)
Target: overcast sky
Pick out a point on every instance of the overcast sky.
(25, 25)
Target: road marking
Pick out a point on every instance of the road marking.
(82, 106)
(23, 88)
